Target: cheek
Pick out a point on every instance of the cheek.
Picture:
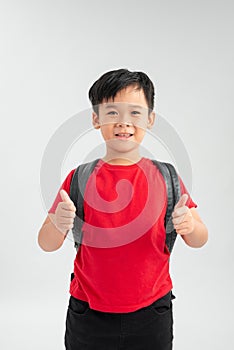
(107, 132)
(139, 135)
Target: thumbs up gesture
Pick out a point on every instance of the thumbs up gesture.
(65, 213)
(182, 218)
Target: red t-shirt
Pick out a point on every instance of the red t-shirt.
(123, 262)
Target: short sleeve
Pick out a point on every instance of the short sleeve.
(66, 187)
(190, 203)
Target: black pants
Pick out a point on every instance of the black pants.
(150, 328)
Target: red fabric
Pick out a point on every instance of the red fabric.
(123, 263)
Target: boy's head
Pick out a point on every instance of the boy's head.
(109, 84)
(123, 103)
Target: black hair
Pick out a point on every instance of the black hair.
(110, 83)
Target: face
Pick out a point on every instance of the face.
(123, 122)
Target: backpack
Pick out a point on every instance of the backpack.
(77, 189)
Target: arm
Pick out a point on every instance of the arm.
(49, 237)
(56, 226)
(189, 225)
(199, 235)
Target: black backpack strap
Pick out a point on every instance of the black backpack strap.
(77, 188)
(173, 195)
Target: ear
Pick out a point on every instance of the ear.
(95, 120)
(151, 120)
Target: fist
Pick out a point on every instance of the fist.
(182, 218)
(65, 213)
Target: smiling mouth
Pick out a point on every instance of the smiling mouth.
(123, 136)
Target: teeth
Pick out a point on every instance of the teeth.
(125, 135)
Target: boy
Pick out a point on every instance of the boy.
(120, 290)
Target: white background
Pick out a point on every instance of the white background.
(51, 53)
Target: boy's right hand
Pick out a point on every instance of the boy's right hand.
(65, 213)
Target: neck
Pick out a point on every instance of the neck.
(126, 158)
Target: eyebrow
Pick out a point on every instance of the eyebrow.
(116, 105)
(137, 106)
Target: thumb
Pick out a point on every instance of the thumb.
(65, 197)
(182, 201)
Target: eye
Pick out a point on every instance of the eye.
(135, 113)
(112, 113)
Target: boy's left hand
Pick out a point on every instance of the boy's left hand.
(182, 218)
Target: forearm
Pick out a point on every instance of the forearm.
(198, 237)
(49, 237)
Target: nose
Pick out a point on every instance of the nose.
(120, 124)
(123, 120)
